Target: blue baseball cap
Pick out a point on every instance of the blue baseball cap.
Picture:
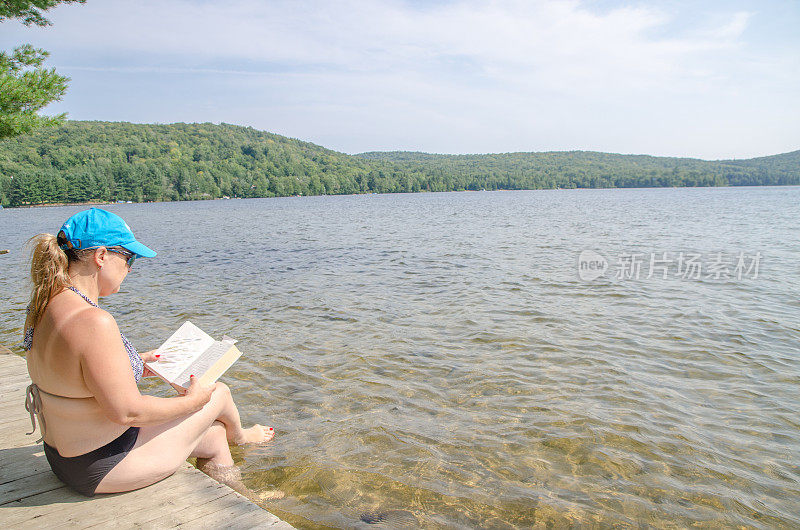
(98, 228)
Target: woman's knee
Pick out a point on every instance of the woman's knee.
(222, 394)
(220, 397)
(222, 389)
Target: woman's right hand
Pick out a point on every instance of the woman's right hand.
(199, 392)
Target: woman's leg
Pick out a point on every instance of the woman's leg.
(161, 449)
(213, 448)
(229, 416)
(213, 464)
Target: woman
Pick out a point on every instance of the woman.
(101, 435)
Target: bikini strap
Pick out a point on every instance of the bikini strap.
(27, 340)
(76, 291)
(33, 404)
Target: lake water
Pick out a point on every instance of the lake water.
(435, 360)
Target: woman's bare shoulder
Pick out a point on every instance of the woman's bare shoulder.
(78, 323)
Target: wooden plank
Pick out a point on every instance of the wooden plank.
(13, 382)
(13, 416)
(14, 369)
(12, 406)
(11, 395)
(12, 431)
(15, 513)
(185, 489)
(252, 519)
(13, 388)
(198, 497)
(65, 507)
(13, 398)
(22, 465)
(11, 359)
(28, 486)
(13, 391)
(180, 516)
(111, 509)
(13, 362)
(223, 518)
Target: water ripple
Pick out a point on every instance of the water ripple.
(433, 360)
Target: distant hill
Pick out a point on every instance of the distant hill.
(594, 170)
(85, 161)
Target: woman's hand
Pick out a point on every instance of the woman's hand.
(200, 392)
(149, 357)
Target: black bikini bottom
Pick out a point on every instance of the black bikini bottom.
(84, 472)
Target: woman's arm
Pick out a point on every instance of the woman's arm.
(108, 375)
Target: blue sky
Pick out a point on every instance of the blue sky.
(675, 78)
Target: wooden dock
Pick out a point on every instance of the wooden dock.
(32, 497)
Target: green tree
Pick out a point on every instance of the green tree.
(30, 11)
(26, 86)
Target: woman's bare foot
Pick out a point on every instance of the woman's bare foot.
(231, 476)
(255, 435)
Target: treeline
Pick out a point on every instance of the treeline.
(85, 161)
(587, 169)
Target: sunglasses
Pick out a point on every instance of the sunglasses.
(129, 256)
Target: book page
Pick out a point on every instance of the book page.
(180, 350)
(203, 363)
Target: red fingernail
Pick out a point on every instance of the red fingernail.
(158, 356)
(191, 376)
(270, 428)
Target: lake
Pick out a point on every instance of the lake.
(487, 359)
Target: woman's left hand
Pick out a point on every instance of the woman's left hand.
(149, 357)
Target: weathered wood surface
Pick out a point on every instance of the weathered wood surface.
(32, 497)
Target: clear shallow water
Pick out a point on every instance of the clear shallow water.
(434, 359)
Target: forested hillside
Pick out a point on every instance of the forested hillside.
(587, 169)
(84, 161)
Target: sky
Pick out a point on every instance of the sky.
(704, 79)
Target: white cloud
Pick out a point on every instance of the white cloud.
(500, 38)
(532, 74)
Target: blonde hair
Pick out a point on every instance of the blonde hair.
(49, 272)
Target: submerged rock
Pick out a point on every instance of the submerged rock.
(391, 518)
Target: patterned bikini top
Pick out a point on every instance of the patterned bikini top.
(133, 355)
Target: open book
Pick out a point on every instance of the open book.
(190, 351)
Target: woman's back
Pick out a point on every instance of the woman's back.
(75, 423)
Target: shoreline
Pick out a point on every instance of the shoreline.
(104, 203)
(54, 204)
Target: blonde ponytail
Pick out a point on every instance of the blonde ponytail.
(49, 265)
